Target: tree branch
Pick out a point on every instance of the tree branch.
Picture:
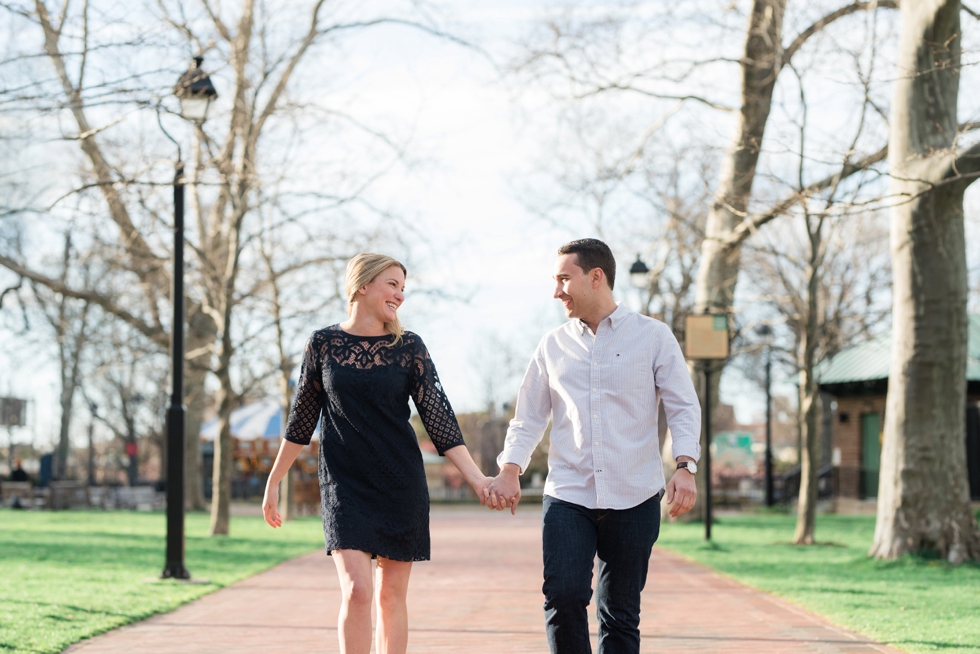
(798, 42)
(153, 332)
(752, 223)
(967, 164)
(968, 161)
(662, 96)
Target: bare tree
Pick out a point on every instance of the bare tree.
(618, 54)
(262, 52)
(127, 382)
(70, 320)
(923, 497)
(821, 280)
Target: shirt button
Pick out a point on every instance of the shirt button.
(593, 390)
(595, 364)
(595, 415)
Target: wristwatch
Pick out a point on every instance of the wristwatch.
(691, 466)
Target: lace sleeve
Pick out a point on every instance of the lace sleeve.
(431, 401)
(305, 413)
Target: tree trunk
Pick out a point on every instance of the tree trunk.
(923, 496)
(221, 484)
(221, 476)
(762, 58)
(718, 268)
(64, 442)
(201, 333)
(806, 515)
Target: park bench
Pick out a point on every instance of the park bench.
(68, 495)
(23, 491)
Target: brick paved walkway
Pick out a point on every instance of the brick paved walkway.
(481, 593)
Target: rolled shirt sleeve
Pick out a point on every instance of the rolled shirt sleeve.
(531, 415)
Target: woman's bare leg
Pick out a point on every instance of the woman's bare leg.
(354, 623)
(393, 605)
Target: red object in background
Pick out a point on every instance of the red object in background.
(131, 448)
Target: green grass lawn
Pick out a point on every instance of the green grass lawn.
(65, 576)
(916, 604)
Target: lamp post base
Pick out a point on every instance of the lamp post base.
(175, 570)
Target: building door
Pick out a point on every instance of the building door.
(973, 449)
(870, 454)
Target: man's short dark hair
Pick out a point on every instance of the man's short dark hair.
(591, 253)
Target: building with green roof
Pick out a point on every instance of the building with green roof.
(857, 379)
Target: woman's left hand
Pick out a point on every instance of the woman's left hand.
(481, 486)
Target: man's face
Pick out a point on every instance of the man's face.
(573, 286)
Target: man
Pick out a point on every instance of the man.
(599, 377)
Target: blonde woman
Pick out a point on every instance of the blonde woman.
(356, 379)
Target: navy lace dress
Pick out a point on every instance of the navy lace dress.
(373, 493)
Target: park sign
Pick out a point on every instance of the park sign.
(13, 412)
(706, 336)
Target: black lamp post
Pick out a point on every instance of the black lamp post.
(196, 93)
(93, 409)
(765, 331)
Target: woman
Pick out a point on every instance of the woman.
(359, 375)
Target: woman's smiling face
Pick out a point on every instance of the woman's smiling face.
(384, 294)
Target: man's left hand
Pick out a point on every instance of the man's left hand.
(682, 492)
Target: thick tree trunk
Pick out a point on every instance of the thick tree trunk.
(718, 267)
(762, 58)
(923, 496)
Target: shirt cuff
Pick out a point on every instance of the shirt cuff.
(684, 448)
(512, 455)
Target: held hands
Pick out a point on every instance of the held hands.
(270, 503)
(480, 485)
(682, 491)
(505, 490)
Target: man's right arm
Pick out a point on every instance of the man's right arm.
(525, 431)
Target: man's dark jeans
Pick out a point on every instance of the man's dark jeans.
(572, 536)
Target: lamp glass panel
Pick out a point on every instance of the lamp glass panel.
(639, 280)
(194, 108)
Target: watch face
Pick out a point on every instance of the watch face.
(693, 467)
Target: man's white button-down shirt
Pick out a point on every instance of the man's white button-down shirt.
(602, 391)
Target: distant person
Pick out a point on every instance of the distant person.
(18, 473)
(599, 378)
(356, 380)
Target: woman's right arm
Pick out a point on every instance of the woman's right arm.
(288, 451)
(299, 430)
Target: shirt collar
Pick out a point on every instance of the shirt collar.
(615, 318)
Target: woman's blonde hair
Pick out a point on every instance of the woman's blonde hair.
(361, 271)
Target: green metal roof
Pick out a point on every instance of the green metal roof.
(871, 360)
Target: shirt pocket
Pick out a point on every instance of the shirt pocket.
(629, 372)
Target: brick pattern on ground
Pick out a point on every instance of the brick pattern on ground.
(481, 593)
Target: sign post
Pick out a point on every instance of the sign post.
(706, 340)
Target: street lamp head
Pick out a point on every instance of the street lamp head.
(195, 92)
(639, 273)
